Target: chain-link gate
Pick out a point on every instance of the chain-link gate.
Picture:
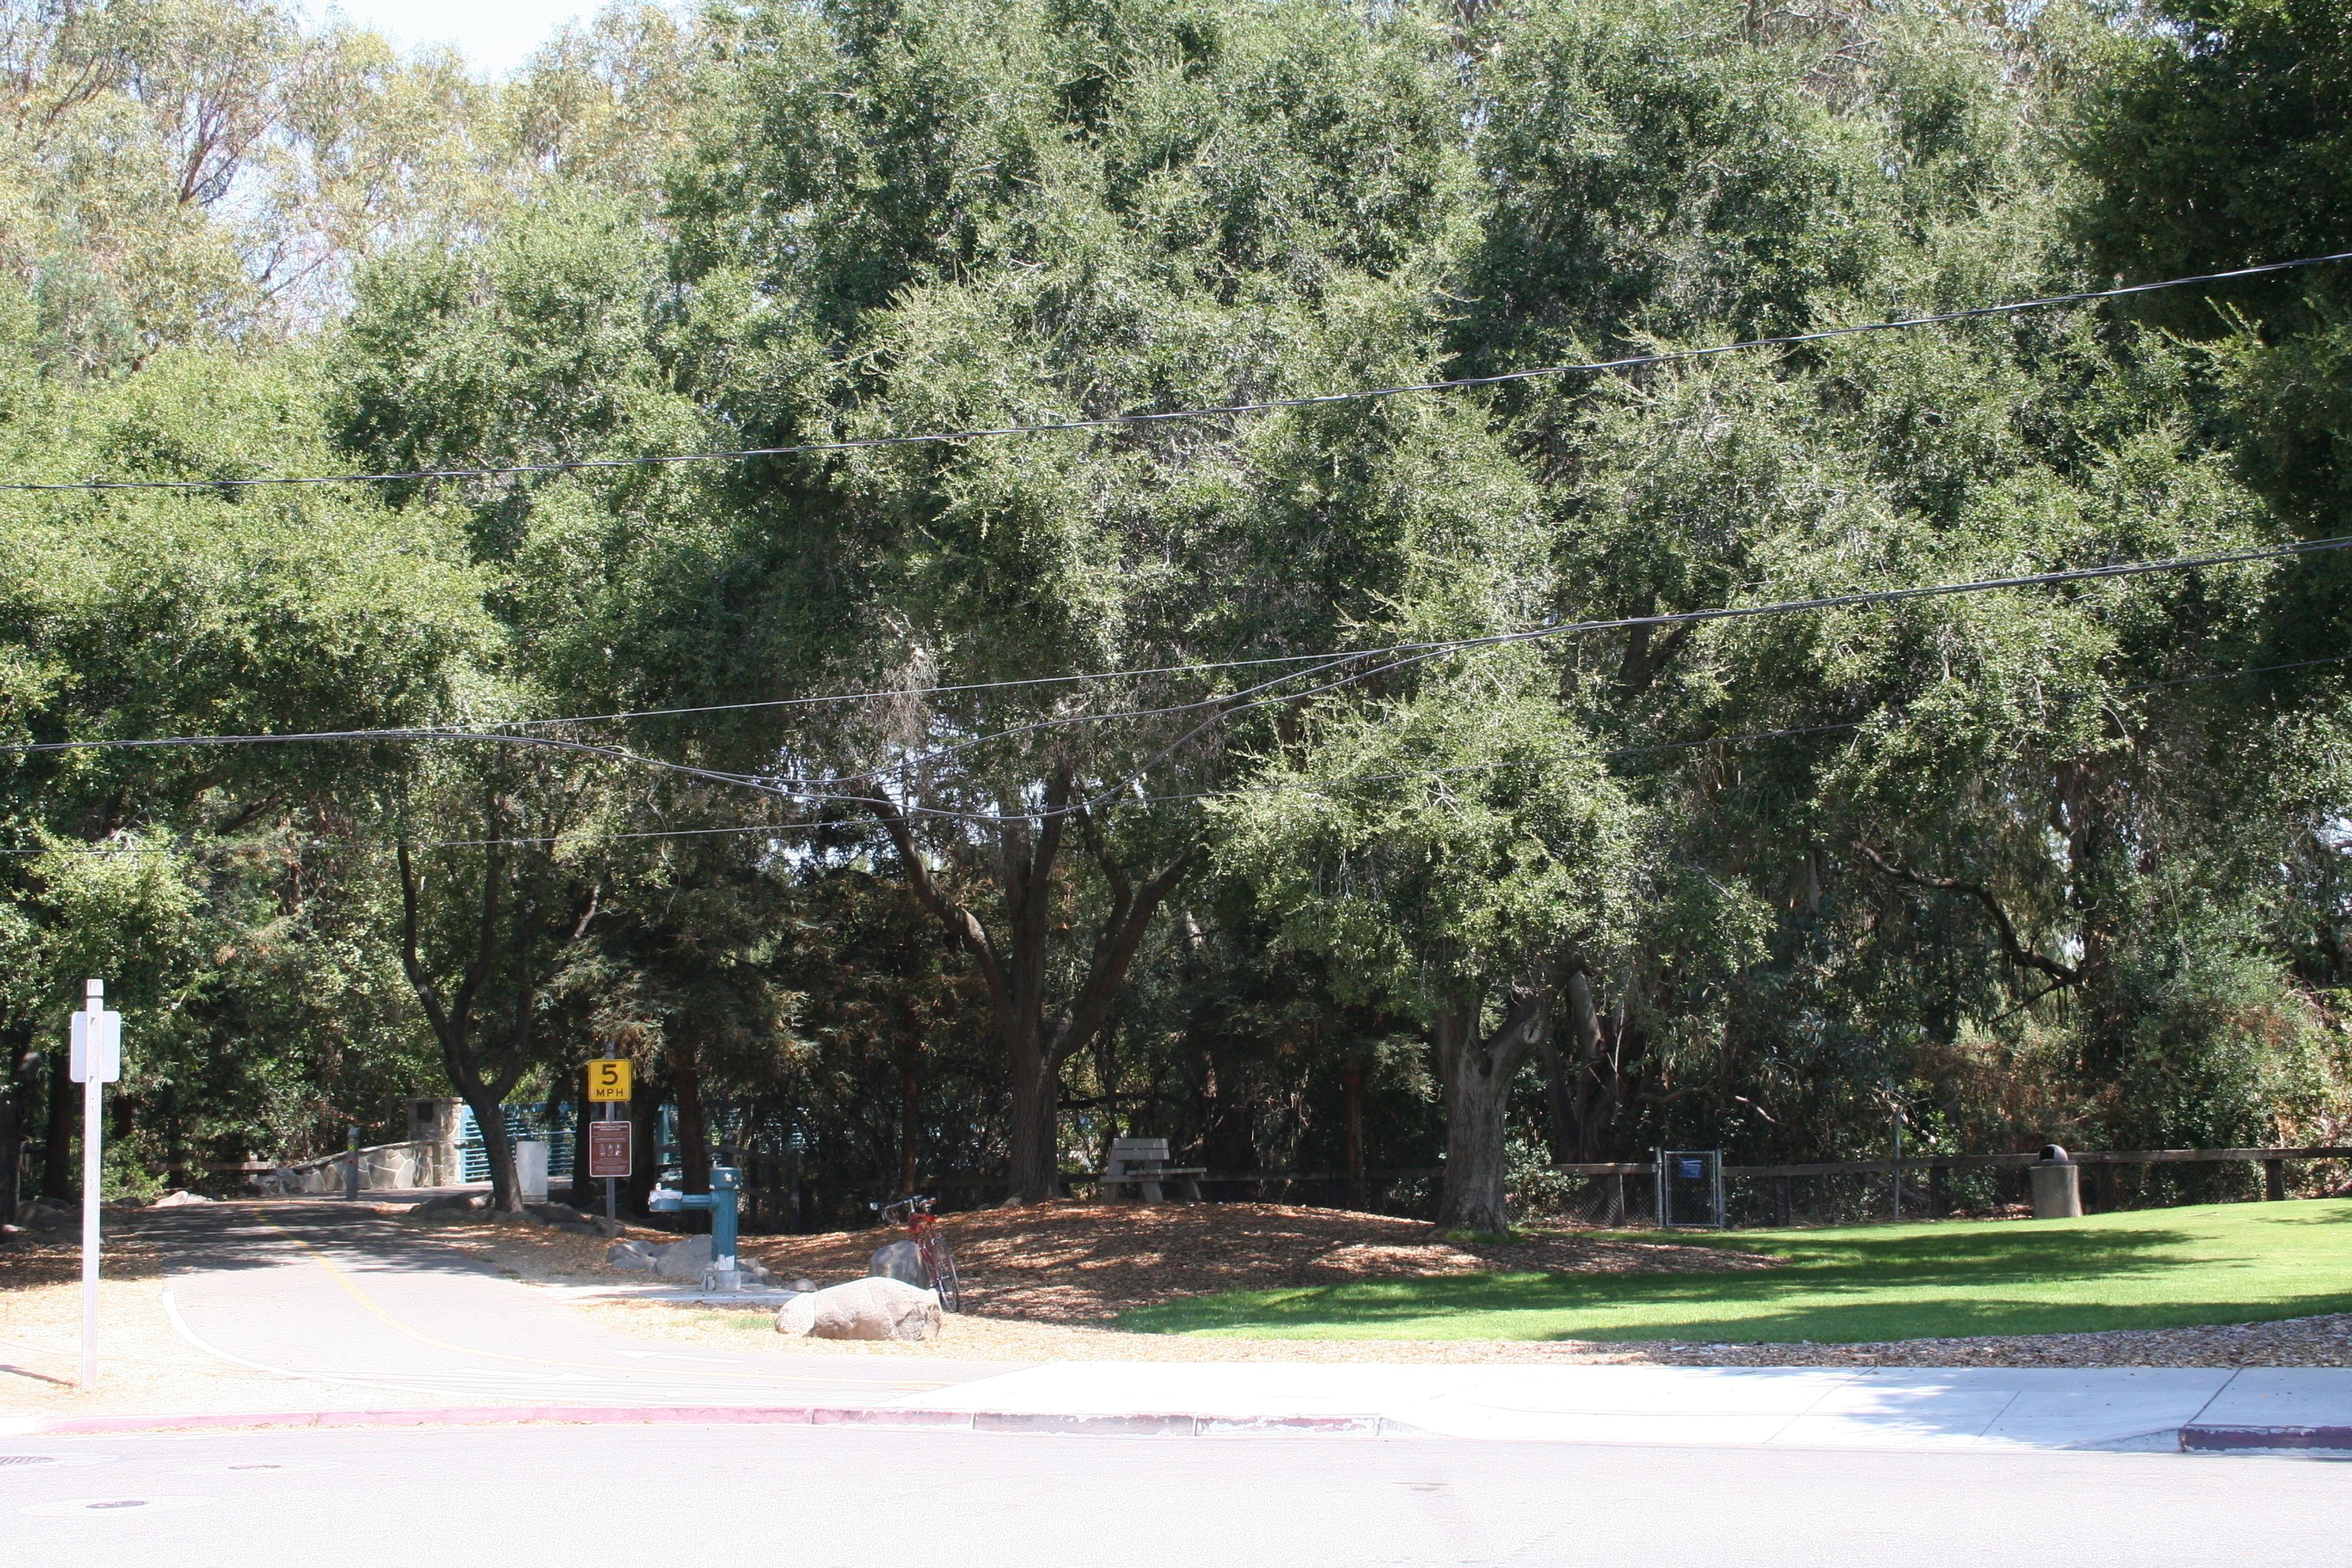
(1690, 1180)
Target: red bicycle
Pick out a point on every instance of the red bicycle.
(930, 1247)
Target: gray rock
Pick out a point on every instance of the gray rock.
(899, 1262)
(558, 1213)
(180, 1200)
(803, 1286)
(635, 1257)
(754, 1273)
(446, 1210)
(42, 1214)
(684, 1261)
(605, 1226)
(875, 1307)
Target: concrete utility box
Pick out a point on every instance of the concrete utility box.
(531, 1169)
(2057, 1186)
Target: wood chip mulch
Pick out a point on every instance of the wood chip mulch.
(2291, 1341)
(1086, 1263)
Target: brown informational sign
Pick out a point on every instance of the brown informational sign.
(608, 1149)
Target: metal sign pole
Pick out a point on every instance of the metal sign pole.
(94, 1060)
(609, 1084)
(92, 1179)
(612, 1201)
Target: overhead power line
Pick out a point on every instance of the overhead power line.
(1411, 653)
(779, 829)
(1215, 411)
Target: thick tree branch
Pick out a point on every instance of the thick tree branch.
(2016, 951)
(962, 921)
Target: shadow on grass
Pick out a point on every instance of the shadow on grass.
(1837, 1287)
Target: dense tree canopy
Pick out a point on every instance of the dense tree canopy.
(1331, 785)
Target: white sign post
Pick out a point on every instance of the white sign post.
(97, 1059)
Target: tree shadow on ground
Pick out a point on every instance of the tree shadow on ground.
(1842, 1286)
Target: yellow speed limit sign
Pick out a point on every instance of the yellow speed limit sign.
(608, 1080)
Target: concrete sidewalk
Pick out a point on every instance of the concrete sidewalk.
(2161, 1410)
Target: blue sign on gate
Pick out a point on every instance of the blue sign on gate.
(1693, 1170)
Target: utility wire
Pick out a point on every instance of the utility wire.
(1748, 737)
(1218, 411)
(1415, 653)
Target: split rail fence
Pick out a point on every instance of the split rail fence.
(1918, 1186)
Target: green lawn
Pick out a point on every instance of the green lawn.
(2221, 1263)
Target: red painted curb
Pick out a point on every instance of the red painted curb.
(2257, 1439)
(1084, 1425)
(490, 1415)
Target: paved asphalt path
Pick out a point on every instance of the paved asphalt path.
(862, 1498)
(332, 1294)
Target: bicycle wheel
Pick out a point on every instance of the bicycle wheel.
(939, 1263)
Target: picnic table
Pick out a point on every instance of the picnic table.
(1143, 1163)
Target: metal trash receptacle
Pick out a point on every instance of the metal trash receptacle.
(2057, 1186)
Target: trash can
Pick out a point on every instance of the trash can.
(2057, 1186)
(530, 1170)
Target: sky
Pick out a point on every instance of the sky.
(494, 35)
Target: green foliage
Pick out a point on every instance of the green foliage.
(2031, 864)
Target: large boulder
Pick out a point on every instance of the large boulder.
(685, 1261)
(633, 1257)
(180, 1200)
(899, 1262)
(448, 1210)
(42, 1214)
(876, 1308)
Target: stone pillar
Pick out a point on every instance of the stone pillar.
(434, 1123)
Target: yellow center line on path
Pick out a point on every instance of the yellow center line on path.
(365, 1300)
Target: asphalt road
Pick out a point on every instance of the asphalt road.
(844, 1498)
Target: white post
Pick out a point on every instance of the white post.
(96, 1058)
(93, 1181)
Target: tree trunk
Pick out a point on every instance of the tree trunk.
(584, 1195)
(1559, 1104)
(452, 1021)
(1354, 1091)
(1037, 1173)
(490, 1120)
(22, 1070)
(693, 1137)
(58, 1147)
(1478, 1075)
(1013, 964)
(1228, 1143)
(644, 1140)
(910, 1107)
(14, 1088)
